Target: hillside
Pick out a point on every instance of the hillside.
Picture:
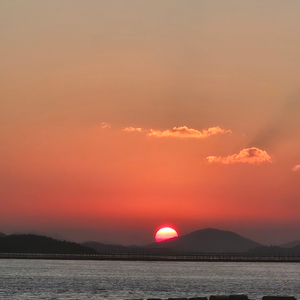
(29, 243)
(208, 241)
(290, 244)
(295, 249)
(275, 250)
(103, 248)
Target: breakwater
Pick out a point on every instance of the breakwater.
(213, 257)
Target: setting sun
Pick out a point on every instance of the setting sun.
(165, 233)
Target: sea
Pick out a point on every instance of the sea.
(22, 279)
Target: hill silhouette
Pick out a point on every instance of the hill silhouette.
(275, 250)
(201, 241)
(104, 249)
(295, 250)
(208, 240)
(30, 243)
(290, 244)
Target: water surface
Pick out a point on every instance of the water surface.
(65, 279)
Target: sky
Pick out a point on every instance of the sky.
(119, 117)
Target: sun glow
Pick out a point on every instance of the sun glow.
(165, 233)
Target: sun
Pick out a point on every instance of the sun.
(165, 233)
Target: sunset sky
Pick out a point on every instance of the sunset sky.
(118, 117)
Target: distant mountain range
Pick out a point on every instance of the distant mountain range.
(275, 250)
(30, 243)
(103, 248)
(201, 241)
(290, 244)
(208, 241)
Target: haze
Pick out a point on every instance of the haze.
(118, 117)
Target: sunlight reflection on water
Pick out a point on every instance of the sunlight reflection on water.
(58, 279)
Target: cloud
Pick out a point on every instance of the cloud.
(105, 125)
(250, 155)
(185, 132)
(180, 132)
(132, 129)
(296, 168)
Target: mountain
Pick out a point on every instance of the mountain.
(2, 234)
(30, 243)
(290, 244)
(269, 251)
(295, 250)
(275, 250)
(103, 248)
(208, 241)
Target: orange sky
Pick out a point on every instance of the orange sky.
(120, 116)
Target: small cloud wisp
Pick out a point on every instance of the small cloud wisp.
(105, 125)
(251, 155)
(296, 168)
(133, 129)
(180, 132)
